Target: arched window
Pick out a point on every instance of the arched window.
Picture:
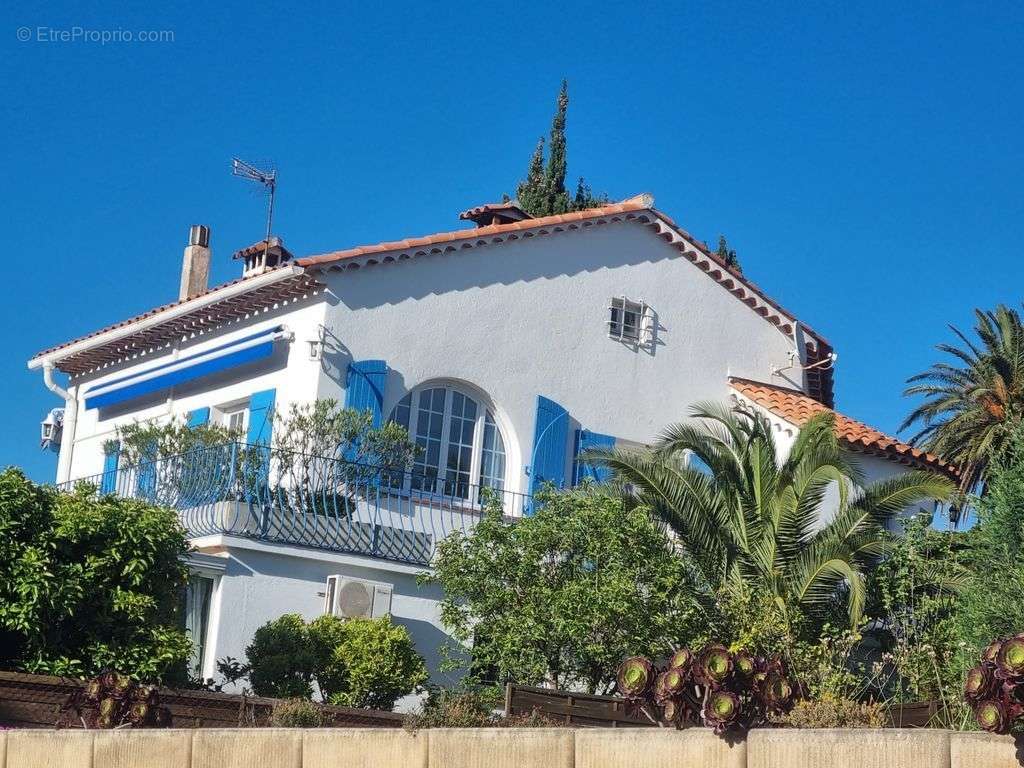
(461, 446)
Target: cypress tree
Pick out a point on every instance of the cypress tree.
(543, 193)
(530, 193)
(554, 174)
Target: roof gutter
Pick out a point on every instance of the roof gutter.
(178, 310)
(70, 425)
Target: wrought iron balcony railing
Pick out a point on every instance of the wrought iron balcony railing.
(314, 501)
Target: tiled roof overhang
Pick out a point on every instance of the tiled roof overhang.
(240, 297)
(635, 210)
(179, 320)
(798, 408)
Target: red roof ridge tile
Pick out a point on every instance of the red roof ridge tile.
(798, 408)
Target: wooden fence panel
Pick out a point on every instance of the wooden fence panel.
(585, 710)
(34, 701)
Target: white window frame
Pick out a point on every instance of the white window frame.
(645, 321)
(225, 412)
(476, 457)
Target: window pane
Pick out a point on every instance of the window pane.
(197, 616)
(492, 457)
(401, 413)
(460, 445)
(429, 425)
(400, 416)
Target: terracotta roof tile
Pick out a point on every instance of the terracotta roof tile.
(798, 408)
(509, 206)
(637, 209)
(149, 313)
(469, 234)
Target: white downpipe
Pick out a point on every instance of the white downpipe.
(67, 440)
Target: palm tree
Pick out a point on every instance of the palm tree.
(746, 520)
(969, 407)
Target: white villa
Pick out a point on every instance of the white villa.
(506, 347)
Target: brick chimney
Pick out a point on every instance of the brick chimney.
(195, 267)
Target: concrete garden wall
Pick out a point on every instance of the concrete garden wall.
(502, 748)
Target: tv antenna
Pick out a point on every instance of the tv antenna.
(269, 181)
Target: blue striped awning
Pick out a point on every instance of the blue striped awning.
(247, 349)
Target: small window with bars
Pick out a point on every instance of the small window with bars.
(626, 319)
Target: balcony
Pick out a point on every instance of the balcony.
(312, 501)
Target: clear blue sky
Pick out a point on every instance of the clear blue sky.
(866, 164)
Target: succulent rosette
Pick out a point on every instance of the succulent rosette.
(714, 665)
(670, 683)
(93, 690)
(721, 710)
(992, 651)
(635, 677)
(778, 693)
(995, 687)
(1010, 658)
(139, 712)
(980, 683)
(672, 712)
(992, 716)
(681, 659)
(122, 686)
(745, 664)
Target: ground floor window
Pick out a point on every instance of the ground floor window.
(198, 594)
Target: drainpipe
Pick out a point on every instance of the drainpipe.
(67, 440)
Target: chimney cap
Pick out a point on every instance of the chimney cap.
(275, 247)
(199, 234)
(495, 213)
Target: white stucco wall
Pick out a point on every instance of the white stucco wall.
(262, 582)
(290, 371)
(529, 318)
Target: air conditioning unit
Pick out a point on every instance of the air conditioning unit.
(351, 598)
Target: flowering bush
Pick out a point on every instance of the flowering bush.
(995, 688)
(716, 688)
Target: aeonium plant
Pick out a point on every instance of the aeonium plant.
(995, 688)
(114, 700)
(729, 692)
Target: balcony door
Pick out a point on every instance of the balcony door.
(461, 447)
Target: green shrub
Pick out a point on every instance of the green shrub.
(563, 595)
(281, 659)
(834, 713)
(89, 582)
(365, 662)
(298, 713)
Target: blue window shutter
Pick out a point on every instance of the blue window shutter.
(108, 484)
(198, 417)
(364, 387)
(145, 479)
(550, 438)
(261, 421)
(585, 441)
